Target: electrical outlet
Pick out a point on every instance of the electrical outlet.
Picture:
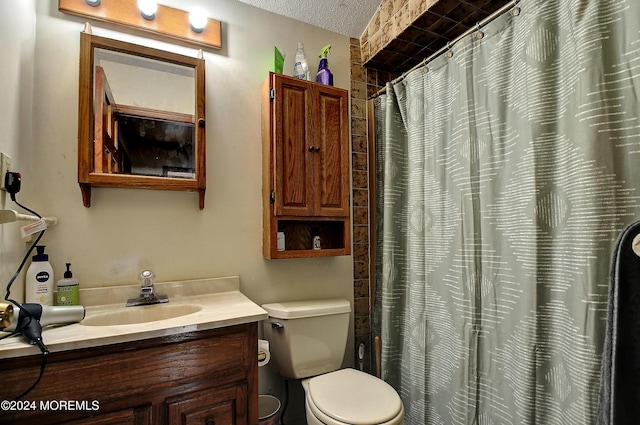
(5, 165)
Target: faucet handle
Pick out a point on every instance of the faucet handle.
(147, 295)
(146, 278)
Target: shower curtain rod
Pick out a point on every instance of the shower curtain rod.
(480, 24)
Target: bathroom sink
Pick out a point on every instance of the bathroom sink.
(140, 314)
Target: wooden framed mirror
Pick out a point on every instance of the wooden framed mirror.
(141, 118)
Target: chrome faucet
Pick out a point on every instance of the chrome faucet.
(147, 294)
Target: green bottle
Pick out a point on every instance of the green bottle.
(68, 289)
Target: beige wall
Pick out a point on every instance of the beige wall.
(17, 44)
(126, 230)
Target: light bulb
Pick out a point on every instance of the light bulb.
(148, 9)
(198, 19)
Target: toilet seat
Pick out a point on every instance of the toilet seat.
(348, 396)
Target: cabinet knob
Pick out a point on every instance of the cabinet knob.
(317, 148)
(310, 148)
(210, 422)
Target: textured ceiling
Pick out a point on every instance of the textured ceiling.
(346, 17)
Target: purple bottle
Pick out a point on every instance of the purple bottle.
(324, 76)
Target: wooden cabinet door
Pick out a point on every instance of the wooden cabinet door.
(331, 152)
(137, 416)
(215, 406)
(311, 149)
(293, 137)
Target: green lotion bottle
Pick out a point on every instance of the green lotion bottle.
(68, 289)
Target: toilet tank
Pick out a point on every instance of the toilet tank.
(307, 338)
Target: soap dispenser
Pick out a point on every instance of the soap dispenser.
(39, 279)
(68, 289)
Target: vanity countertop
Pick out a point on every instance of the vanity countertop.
(220, 301)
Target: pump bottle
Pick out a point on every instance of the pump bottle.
(68, 289)
(324, 75)
(39, 279)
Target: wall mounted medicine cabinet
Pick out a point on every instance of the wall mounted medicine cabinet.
(305, 169)
(141, 118)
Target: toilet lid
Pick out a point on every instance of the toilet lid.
(354, 397)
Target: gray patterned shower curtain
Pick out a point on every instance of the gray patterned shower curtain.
(505, 171)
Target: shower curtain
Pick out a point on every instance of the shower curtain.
(505, 170)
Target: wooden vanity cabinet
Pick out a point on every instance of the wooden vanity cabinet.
(305, 149)
(206, 378)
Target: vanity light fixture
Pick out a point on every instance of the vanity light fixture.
(198, 19)
(159, 19)
(148, 9)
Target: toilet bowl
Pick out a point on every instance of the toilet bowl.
(307, 340)
(351, 397)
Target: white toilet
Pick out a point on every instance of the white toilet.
(307, 340)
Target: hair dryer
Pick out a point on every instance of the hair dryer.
(30, 318)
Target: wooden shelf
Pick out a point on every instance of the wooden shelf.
(299, 233)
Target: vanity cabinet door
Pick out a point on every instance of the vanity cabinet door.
(215, 406)
(136, 416)
(203, 377)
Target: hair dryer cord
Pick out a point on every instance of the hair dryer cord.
(33, 332)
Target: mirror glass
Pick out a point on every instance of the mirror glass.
(141, 118)
(144, 116)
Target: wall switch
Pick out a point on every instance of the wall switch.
(5, 166)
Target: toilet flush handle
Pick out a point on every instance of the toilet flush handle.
(277, 325)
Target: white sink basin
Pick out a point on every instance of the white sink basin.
(140, 314)
(194, 305)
